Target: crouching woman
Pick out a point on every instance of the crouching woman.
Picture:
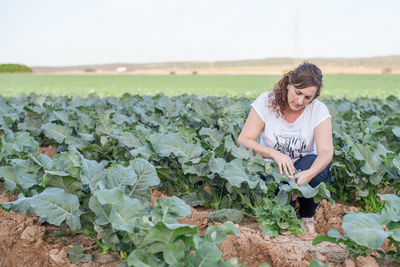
(295, 131)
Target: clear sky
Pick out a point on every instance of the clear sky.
(77, 32)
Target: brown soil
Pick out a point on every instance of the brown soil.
(287, 249)
(330, 216)
(284, 250)
(24, 242)
(50, 151)
(156, 194)
(198, 217)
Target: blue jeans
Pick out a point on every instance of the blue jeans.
(307, 205)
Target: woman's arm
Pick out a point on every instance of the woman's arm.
(251, 130)
(323, 141)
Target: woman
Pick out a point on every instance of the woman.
(295, 131)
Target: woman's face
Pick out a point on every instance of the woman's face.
(299, 98)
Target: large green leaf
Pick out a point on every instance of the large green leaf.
(377, 177)
(323, 238)
(32, 125)
(105, 124)
(394, 230)
(120, 118)
(21, 205)
(169, 210)
(109, 196)
(234, 172)
(79, 142)
(217, 165)
(172, 143)
(128, 139)
(144, 152)
(62, 116)
(207, 254)
(255, 164)
(166, 234)
(18, 174)
(238, 152)
(146, 176)
(202, 110)
(143, 258)
(396, 131)
(57, 132)
(199, 169)
(392, 207)
(218, 234)
(319, 192)
(20, 142)
(57, 206)
(65, 160)
(119, 176)
(188, 134)
(112, 206)
(128, 214)
(174, 253)
(63, 180)
(103, 201)
(370, 158)
(142, 132)
(93, 173)
(365, 229)
(102, 211)
(213, 136)
(26, 142)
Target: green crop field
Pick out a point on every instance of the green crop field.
(337, 85)
(111, 152)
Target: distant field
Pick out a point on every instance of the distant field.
(338, 85)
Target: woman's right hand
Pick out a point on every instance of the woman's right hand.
(284, 162)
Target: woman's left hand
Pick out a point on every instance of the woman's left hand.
(303, 177)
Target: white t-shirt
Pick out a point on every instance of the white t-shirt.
(292, 139)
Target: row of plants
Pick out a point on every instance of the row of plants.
(366, 132)
(366, 135)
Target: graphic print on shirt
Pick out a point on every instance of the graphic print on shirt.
(290, 143)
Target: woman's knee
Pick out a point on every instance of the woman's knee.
(304, 163)
(321, 177)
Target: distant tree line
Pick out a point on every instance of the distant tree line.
(12, 68)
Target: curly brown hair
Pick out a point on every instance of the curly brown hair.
(305, 75)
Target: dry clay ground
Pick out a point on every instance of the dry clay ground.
(23, 241)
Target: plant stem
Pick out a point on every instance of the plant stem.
(220, 193)
(244, 200)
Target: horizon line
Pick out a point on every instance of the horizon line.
(205, 61)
